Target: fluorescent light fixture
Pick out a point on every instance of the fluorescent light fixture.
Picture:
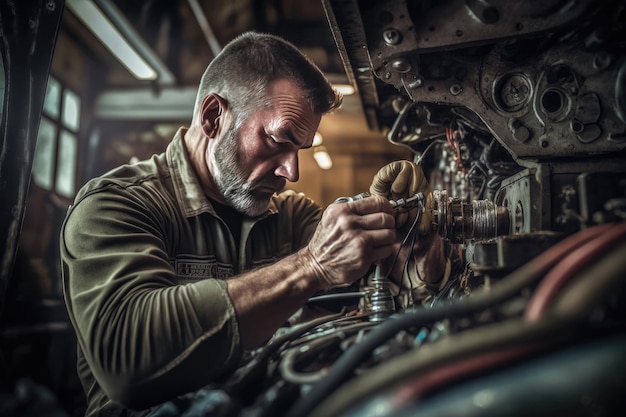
(345, 89)
(93, 18)
(317, 139)
(322, 158)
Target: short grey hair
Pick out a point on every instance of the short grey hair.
(248, 64)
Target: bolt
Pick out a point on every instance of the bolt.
(522, 134)
(416, 83)
(401, 65)
(602, 60)
(392, 36)
(456, 89)
(576, 126)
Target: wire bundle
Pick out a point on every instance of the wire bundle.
(573, 265)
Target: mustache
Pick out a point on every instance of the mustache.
(273, 183)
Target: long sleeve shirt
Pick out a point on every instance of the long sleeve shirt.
(144, 259)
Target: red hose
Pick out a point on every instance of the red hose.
(579, 258)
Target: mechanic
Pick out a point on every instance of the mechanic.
(174, 266)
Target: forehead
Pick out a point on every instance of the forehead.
(289, 108)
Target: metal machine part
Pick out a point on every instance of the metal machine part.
(516, 113)
(513, 109)
(458, 221)
(401, 205)
(379, 301)
(381, 304)
(543, 79)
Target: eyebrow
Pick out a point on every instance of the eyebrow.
(288, 134)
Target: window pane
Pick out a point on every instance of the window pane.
(66, 164)
(52, 101)
(43, 162)
(71, 110)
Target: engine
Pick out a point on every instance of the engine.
(517, 113)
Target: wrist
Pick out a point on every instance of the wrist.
(313, 274)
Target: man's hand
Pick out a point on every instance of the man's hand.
(350, 238)
(403, 179)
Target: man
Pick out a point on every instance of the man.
(174, 265)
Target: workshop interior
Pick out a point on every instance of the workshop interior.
(516, 112)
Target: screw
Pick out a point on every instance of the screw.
(392, 36)
(456, 89)
(401, 65)
(416, 83)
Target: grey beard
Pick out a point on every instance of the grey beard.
(231, 183)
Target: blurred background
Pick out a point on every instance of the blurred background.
(122, 79)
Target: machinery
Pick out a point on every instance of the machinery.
(517, 113)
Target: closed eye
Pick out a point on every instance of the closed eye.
(274, 140)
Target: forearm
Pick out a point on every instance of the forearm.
(265, 298)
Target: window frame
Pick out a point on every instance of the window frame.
(61, 128)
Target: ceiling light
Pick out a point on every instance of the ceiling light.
(317, 139)
(322, 158)
(93, 18)
(345, 89)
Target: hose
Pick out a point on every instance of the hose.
(254, 370)
(459, 356)
(344, 367)
(293, 356)
(576, 261)
(464, 354)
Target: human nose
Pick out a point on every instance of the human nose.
(288, 167)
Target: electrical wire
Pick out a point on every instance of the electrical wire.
(428, 148)
(336, 296)
(344, 367)
(468, 353)
(328, 328)
(422, 371)
(568, 267)
(411, 234)
(292, 357)
(249, 373)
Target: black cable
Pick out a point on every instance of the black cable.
(336, 296)
(292, 356)
(344, 367)
(254, 370)
(413, 232)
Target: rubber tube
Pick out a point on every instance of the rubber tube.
(344, 367)
(569, 266)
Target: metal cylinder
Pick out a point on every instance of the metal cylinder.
(382, 304)
(458, 221)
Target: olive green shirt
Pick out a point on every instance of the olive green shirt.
(144, 258)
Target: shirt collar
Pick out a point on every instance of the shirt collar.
(189, 193)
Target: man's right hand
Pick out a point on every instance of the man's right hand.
(350, 238)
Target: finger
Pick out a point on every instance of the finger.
(405, 176)
(380, 237)
(373, 204)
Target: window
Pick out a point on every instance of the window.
(54, 165)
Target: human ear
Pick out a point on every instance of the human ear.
(211, 114)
